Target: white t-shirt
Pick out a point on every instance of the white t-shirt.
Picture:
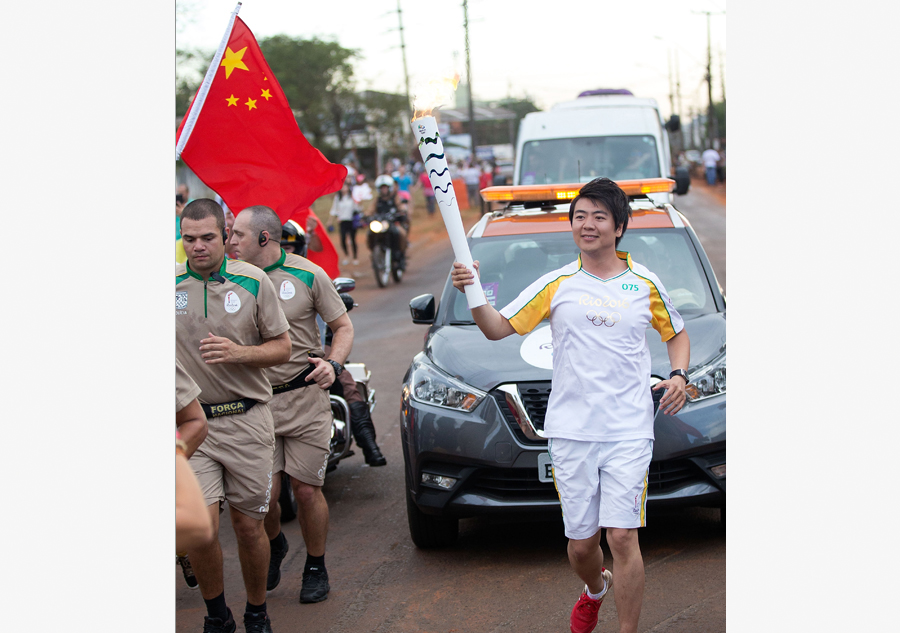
(601, 362)
(343, 208)
(710, 158)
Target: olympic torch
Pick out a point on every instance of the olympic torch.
(432, 149)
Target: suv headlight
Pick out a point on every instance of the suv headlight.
(430, 386)
(708, 380)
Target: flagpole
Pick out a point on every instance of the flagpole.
(204, 87)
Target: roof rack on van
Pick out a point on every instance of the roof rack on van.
(606, 91)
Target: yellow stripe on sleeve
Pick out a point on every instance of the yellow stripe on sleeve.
(537, 309)
(660, 318)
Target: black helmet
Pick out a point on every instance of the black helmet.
(293, 234)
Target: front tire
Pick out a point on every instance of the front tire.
(381, 265)
(426, 531)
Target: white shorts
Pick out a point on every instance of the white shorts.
(601, 484)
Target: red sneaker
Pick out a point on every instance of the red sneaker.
(584, 614)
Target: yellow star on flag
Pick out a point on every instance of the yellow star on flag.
(233, 60)
(265, 93)
(251, 103)
(232, 100)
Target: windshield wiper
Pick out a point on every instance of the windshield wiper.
(462, 322)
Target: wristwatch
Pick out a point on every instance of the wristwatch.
(682, 373)
(338, 368)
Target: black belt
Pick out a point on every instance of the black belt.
(228, 408)
(297, 382)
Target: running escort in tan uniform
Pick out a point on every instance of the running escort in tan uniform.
(302, 415)
(300, 405)
(238, 303)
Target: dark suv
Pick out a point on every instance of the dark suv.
(472, 410)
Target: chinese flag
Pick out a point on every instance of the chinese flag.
(246, 145)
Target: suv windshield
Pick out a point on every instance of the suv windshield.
(509, 264)
(585, 158)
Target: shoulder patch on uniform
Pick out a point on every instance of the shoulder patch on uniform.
(305, 276)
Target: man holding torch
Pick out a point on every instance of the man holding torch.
(600, 413)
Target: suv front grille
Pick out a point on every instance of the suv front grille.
(535, 396)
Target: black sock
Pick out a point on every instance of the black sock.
(317, 562)
(278, 541)
(252, 608)
(216, 608)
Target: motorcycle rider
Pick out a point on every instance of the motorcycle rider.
(293, 240)
(387, 204)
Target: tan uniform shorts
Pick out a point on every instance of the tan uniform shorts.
(234, 463)
(302, 433)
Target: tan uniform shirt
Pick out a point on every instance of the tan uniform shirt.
(185, 388)
(239, 303)
(304, 289)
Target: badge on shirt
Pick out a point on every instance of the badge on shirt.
(537, 348)
(181, 302)
(232, 302)
(287, 290)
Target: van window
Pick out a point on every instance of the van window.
(584, 158)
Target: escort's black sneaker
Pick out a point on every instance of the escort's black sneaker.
(218, 625)
(187, 570)
(277, 555)
(257, 623)
(315, 586)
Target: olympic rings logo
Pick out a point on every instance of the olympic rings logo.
(603, 318)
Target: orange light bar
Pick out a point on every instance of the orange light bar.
(553, 193)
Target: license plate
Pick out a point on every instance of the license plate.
(545, 468)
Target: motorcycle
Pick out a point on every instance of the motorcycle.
(387, 243)
(341, 434)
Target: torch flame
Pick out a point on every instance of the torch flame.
(435, 93)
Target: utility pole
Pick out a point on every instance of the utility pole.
(409, 115)
(712, 131)
(469, 79)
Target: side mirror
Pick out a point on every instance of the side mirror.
(674, 123)
(344, 284)
(422, 309)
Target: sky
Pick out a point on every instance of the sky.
(546, 55)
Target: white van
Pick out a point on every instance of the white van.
(617, 135)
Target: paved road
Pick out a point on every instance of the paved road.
(706, 213)
(501, 576)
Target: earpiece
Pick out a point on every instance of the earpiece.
(224, 235)
(263, 240)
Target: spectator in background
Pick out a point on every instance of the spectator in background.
(428, 191)
(404, 183)
(361, 192)
(487, 179)
(472, 177)
(342, 208)
(710, 161)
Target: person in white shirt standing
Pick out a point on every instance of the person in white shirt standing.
(600, 413)
(342, 208)
(710, 162)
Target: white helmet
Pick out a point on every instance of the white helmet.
(384, 179)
